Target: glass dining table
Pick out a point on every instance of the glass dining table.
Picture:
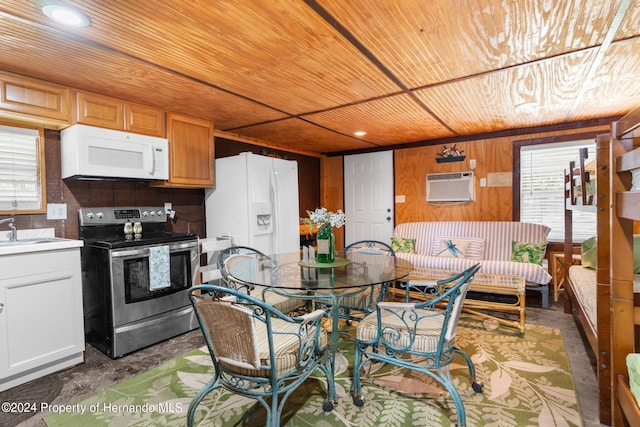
(325, 283)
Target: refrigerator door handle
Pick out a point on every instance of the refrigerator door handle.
(275, 205)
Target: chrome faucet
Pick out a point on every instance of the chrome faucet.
(12, 226)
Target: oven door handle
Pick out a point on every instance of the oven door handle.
(144, 250)
(138, 252)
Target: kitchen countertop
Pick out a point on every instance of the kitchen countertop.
(35, 240)
(38, 245)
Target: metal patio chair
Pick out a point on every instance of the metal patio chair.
(236, 254)
(417, 335)
(257, 351)
(370, 255)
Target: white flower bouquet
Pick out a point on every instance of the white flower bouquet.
(322, 218)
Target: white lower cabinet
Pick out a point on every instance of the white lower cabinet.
(41, 317)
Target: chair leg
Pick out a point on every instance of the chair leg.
(273, 413)
(356, 392)
(477, 387)
(457, 401)
(198, 398)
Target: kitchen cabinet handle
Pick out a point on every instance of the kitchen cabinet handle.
(1, 306)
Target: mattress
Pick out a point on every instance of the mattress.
(584, 287)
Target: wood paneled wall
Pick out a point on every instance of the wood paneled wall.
(332, 190)
(411, 165)
(492, 203)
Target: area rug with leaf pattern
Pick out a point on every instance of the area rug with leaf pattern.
(527, 382)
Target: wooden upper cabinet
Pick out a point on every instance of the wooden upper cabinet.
(103, 111)
(191, 152)
(34, 100)
(143, 119)
(100, 111)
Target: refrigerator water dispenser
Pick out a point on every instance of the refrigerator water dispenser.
(263, 217)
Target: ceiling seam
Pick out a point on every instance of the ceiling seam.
(599, 58)
(324, 110)
(331, 20)
(489, 135)
(311, 123)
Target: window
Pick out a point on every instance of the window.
(542, 188)
(22, 175)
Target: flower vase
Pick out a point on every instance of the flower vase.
(326, 242)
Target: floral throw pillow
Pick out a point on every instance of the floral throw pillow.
(528, 252)
(403, 245)
(451, 248)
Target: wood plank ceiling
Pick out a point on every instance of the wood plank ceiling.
(305, 75)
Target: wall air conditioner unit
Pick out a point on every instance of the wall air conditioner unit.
(450, 187)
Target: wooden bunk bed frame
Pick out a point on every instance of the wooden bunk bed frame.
(624, 305)
(617, 329)
(597, 335)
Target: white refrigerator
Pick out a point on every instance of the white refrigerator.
(255, 201)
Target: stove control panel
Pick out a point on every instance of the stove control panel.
(152, 213)
(120, 215)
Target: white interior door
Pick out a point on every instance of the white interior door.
(368, 194)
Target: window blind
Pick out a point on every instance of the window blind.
(542, 188)
(19, 178)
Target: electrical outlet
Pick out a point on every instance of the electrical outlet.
(56, 211)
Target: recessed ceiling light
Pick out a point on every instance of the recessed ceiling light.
(360, 133)
(66, 15)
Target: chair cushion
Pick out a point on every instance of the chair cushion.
(284, 303)
(285, 348)
(427, 334)
(363, 301)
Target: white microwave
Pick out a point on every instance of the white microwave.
(89, 152)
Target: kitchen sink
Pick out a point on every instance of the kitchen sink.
(35, 241)
(36, 244)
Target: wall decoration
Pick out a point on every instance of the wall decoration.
(450, 154)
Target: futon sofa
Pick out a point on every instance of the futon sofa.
(502, 247)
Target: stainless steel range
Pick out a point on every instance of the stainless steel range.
(135, 277)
